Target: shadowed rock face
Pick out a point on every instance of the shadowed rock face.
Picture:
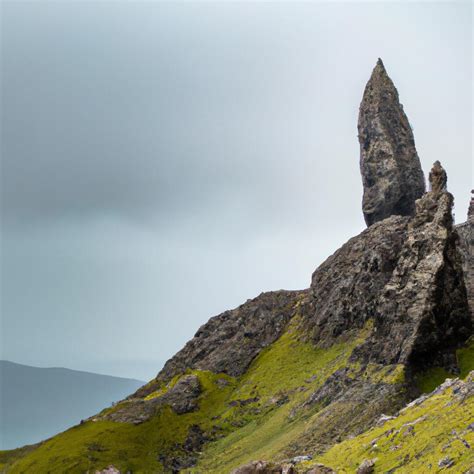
(466, 248)
(422, 313)
(391, 171)
(405, 274)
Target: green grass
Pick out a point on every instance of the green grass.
(466, 358)
(245, 430)
(428, 380)
(288, 368)
(255, 416)
(440, 425)
(94, 445)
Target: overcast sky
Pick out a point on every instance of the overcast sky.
(164, 162)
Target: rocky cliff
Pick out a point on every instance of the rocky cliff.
(296, 381)
(466, 248)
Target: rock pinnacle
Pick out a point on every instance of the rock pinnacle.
(391, 171)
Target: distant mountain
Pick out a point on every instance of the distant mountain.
(36, 403)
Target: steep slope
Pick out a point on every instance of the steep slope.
(60, 398)
(433, 433)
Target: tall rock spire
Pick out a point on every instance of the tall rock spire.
(391, 171)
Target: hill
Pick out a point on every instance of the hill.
(39, 402)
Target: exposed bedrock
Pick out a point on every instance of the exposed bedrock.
(230, 341)
(466, 248)
(404, 274)
(423, 313)
(391, 171)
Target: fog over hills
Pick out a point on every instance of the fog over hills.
(39, 402)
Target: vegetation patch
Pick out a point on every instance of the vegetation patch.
(428, 380)
(465, 358)
(414, 442)
(242, 418)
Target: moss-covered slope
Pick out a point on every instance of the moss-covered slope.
(260, 413)
(267, 414)
(433, 434)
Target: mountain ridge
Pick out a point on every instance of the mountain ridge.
(66, 369)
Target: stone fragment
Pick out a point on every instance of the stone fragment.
(391, 171)
(367, 466)
(446, 462)
(264, 467)
(383, 419)
(183, 396)
(321, 469)
(297, 459)
(108, 470)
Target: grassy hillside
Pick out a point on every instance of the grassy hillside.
(416, 441)
(230, 409)
(263, 415)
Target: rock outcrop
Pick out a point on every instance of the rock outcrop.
(466, 248)
(181, 397)
(229, 342)
(422, 313)
(391, 171)
(438, 178)
(405, 274)
(345, 289)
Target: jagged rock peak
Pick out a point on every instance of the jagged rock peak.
(391, 171)
(438, 178)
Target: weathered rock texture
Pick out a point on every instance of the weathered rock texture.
(403, 273)
(229, 342)
(438, 178)
(391, 171)
(422, 311)
(182, 398)
(466, 248)
(345, 289)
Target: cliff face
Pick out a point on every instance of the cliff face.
(466, 249)
(294, 373)
(230, 341)
(422, 311)
(391, 170)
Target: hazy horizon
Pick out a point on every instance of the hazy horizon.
(164, 162)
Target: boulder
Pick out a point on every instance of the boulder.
(367, 466)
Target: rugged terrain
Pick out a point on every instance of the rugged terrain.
(327, 379)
